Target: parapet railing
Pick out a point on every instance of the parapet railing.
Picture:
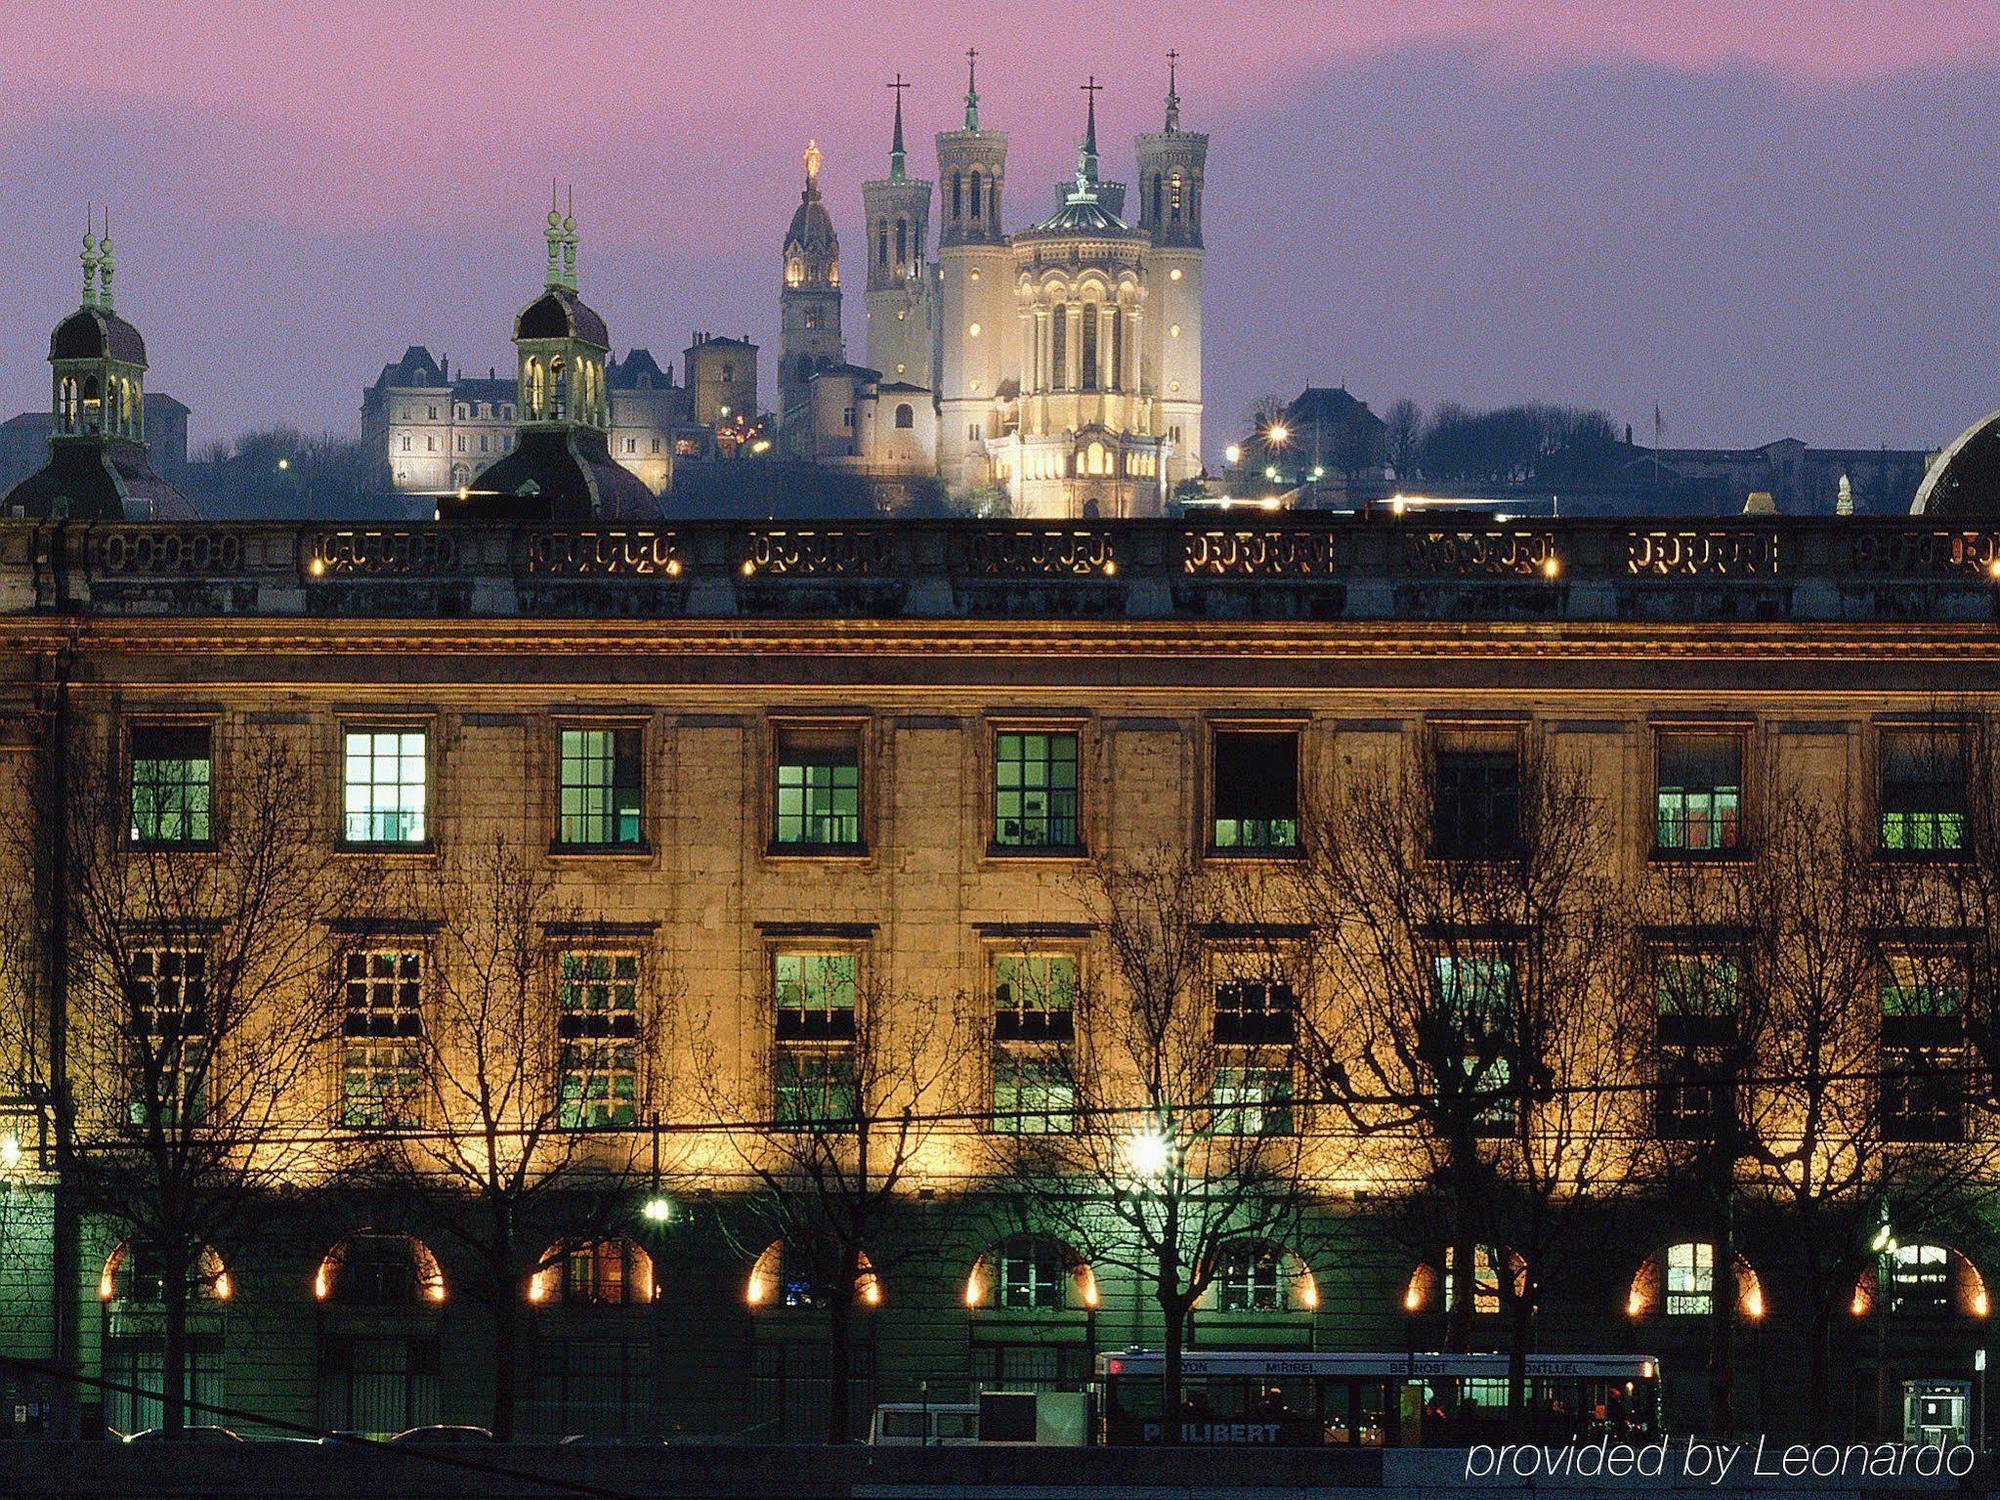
(1334, 567)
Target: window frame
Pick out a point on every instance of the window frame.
(574, 1042)
(142, 1000)
(1883, 731)
(1661, 731)
(858, 730)
(380, 725)
(1049, 728)
(1215, 730)
(823, 1052)
(150, 723)
(351, 1041)
(640, 761)
(1437, 748)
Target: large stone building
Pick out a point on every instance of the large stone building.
(1063, 359)
(748, 802)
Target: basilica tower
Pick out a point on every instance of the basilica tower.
(978, 343)
(895, 213)
(1171, 164)
(809, 306)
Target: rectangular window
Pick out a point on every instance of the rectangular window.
(1485, 1280)
(1696, 996)
(170, 782)
(597, 1025)
(1922, 791)
(1475, 998)
(1924, 1090)
(1256, 792)
(381, 1040)
(1035, 791)
(1690, 1280)
(1250, 1280)
(1920, 1279)
(1698, 797)
(1476, 798)
(384, 786)
(1034, 997)
(1032, 1095)
(1252, 1100)
(168, 992)
(818, 789)
(815, 996)
(816, 1087)
(1254, 1012)
(598, 803)
(631, 446)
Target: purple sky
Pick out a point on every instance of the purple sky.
(1775, 217)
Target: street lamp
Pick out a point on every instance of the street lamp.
(1278, 434)
(658, 1209)
(1151, 1155)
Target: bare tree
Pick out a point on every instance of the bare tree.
(192, 998)
(1170, 1137)
(536, 1068)
(845, 1095)
(1404, 430)
(1469, 930)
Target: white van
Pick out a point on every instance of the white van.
(914, 1424)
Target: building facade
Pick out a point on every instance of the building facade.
(799, 784)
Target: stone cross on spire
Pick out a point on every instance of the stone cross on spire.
(971, 88)
(1173, 91)
(896, 153)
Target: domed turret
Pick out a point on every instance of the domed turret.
(561, 468)
(809, 338)
(98, 468)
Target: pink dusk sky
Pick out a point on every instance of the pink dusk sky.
(1772, 217)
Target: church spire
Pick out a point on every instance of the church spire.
(971, 88)
(1173, 92)
(89, 258)
(1086, 157)
(896, 153)
(569, 242)
(105, 264)
(554, 235)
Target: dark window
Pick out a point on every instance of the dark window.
(815, 996)
(1030, 1274)
(1924, 1091)
(957, 202)
(1254, 1012)
(1699, 792)
(1476, 812)
(902, 241)
(170, 783)
(376, 1270)
(906, 416)
(597, 1025)
(975, 193)
(1089, 372)
(598, 795)
(882, 242)
(610, 1273)
(382, 1039)
(1923, 791)
(1252, 1098)
(1059, 349)
(1256, 792)
(818, 789)
(1035, 791)
(1698, 1033)
(816, 1087)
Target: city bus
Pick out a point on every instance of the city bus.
(1255, 1398)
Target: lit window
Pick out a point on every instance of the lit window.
(1032, 1095)
(815, 996)
(816, 1088)
(384, 792)
(1035, 791)
(1699, 794)
(597, 1025)
(1920, 1279)
(381, 1039)
(818, 789)
(1922, 791)
(1249, 1278)
(1256, 792)
(609, 1273)
(599, 792)
(1690, 1280)
(1029, 1274)
(1034, 997)
(170, 784)
(1697, 1043)
(1485, 1280)
(167, 989)
(1475, 1000)
(1252, 1100)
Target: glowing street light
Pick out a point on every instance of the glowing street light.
(1278, 434)
(658, 1209)
(1151, 1155)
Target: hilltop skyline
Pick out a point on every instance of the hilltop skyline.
(1764, 220)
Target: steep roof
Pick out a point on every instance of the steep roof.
(97, 333)
(560, 313)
